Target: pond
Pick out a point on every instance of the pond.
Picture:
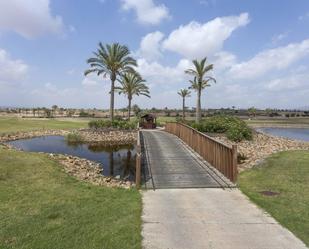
(291, 133)
(117, 161)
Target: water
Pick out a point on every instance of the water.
(291, 133)
(116, 160)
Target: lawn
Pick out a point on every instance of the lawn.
(283, 122)
(286, 173)
(43, 207)
(9, 124)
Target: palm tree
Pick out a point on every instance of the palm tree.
(111, 60)
(200, 82)
(132, 84)
(184, 93)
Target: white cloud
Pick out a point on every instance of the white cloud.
(150, 47)
(158, 74)
(71, 28)
(290, 82)
(50, 94)
(147, 11)
(208, 3)
(269, 60)
(89, 82)
(277, 38)
(196, 40)
(304, 17)
(71, 71)
(29, 18)
(223, 60)
(11, 71)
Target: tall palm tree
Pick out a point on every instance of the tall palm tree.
(184, 93)
(200, 82)
(111, 60)
(132, 84)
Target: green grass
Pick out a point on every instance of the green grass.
(42, 207)
(11, 125)
(288, 174)
(274, 121)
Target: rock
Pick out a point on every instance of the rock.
(262, 146)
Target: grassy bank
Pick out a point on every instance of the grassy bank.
(274, 122)
(10, 125)
(286, 173)
(42, 207)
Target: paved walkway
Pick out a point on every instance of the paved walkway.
(209, 219)
(172, 164)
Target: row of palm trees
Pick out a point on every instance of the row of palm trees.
(199, 83)
(114, 61)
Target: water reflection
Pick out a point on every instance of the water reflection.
(117, 161)
(291, 133)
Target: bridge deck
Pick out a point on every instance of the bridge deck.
(170, 163)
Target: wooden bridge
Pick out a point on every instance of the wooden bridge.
(182, 157)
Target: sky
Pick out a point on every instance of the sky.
(260, 51)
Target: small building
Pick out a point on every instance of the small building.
(148, 121)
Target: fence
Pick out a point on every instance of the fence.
(219, 155)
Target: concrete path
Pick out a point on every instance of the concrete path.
(209, 219)
(171, 163)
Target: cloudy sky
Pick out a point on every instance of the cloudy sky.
(260, 50)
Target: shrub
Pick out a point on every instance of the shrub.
(118, 124)
(238, 133)
(235, 128)
(74, 138)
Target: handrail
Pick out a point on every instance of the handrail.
(205, 135)
(138, 167)
(219, 155)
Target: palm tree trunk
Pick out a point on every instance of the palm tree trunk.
(183, 108)
(129, 108)
(111, 110)
(198, 107)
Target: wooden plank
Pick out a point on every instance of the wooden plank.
(174, 165)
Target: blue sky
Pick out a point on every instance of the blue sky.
(260, 50)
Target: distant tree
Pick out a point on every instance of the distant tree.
(132, 84)
(112, 60)
(136, 110)
(252, 111)
(184, 93)
(269, 112)
(47, 112)
(200, 81)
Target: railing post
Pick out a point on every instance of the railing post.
(234, 162)
(138, 171)
(138, 167)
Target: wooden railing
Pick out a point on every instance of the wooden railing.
(138, 167)
(218, 154)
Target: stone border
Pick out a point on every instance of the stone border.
(262, 146)
(88, 171)
(110, 137)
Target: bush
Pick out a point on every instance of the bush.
(74, 138)
(238, 133)
(117, 124)
(235, 128)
